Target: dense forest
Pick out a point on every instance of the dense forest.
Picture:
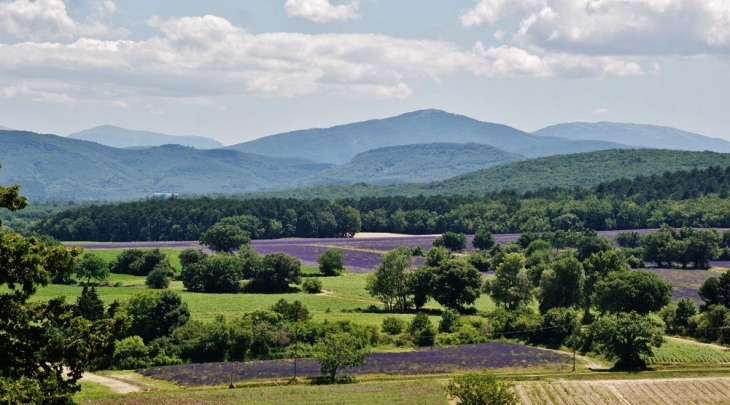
(695, 198)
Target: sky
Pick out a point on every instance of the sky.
(238, 70)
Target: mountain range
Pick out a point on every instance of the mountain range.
(2, 128)
(636, 135)
(126, 138)
(424, 149)
(339, 144)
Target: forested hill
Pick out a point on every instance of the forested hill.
(565, 171)
(58, 168)
(341, 143)
(414, 163)
(613, 205)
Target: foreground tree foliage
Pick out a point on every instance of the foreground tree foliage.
(480, 389)
(45, 346)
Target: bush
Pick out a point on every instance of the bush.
(480, 389)
(393, 325)
(277, 271)
(138, 262)
(159, 278)
(312, 285)
(219, 273)
(331, 262)
(449, 321)
(455, 242)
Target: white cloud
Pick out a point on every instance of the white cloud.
(49, 20)
(612, 27)
(322, 10)
(601, 111)
(195, 59)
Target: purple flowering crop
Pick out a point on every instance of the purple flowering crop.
(435, 360)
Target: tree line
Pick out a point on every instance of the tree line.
(684, 199)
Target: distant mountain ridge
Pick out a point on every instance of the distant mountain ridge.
(127, 138)
(50, 167)
(2, 128)
(637, 135)
(419, 163)
(341, 143)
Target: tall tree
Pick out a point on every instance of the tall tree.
(627, 291)
(596, 268)
(561, 286)
(511, 286)
(389, 281)
(456, 283)
(224, 238)
(91, 266)
(627, 337)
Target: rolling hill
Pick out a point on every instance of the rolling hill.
(341, 143)
(637, 135)
(125, 138)
(50, 167)
(577, 170)
(2, 128)
(414, 163)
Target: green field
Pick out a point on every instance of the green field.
(344, 297)
(426, 392)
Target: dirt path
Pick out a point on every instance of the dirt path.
(117, 386)
(694, 342)
(332, 294)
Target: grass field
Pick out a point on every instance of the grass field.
(344, 297)
(415, 392)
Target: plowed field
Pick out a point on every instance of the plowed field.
(679, 391)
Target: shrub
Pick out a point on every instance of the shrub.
(331, 262)
(312, 285)
(159, 278)
(393, 325)
(138, 262)
(480, 389)
(449, 321)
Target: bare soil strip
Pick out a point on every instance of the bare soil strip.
(117, 386)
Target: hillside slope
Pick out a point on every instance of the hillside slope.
(638, 135)
(50, 167)
(577, 170)
(414, 163)
(341, 143)
(125, 138)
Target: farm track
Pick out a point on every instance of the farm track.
(694, 342)
(670, 391)
(117, 386)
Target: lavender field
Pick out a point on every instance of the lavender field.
(435, 360)
(361, 254)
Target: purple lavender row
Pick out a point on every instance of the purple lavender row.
(436, 360)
